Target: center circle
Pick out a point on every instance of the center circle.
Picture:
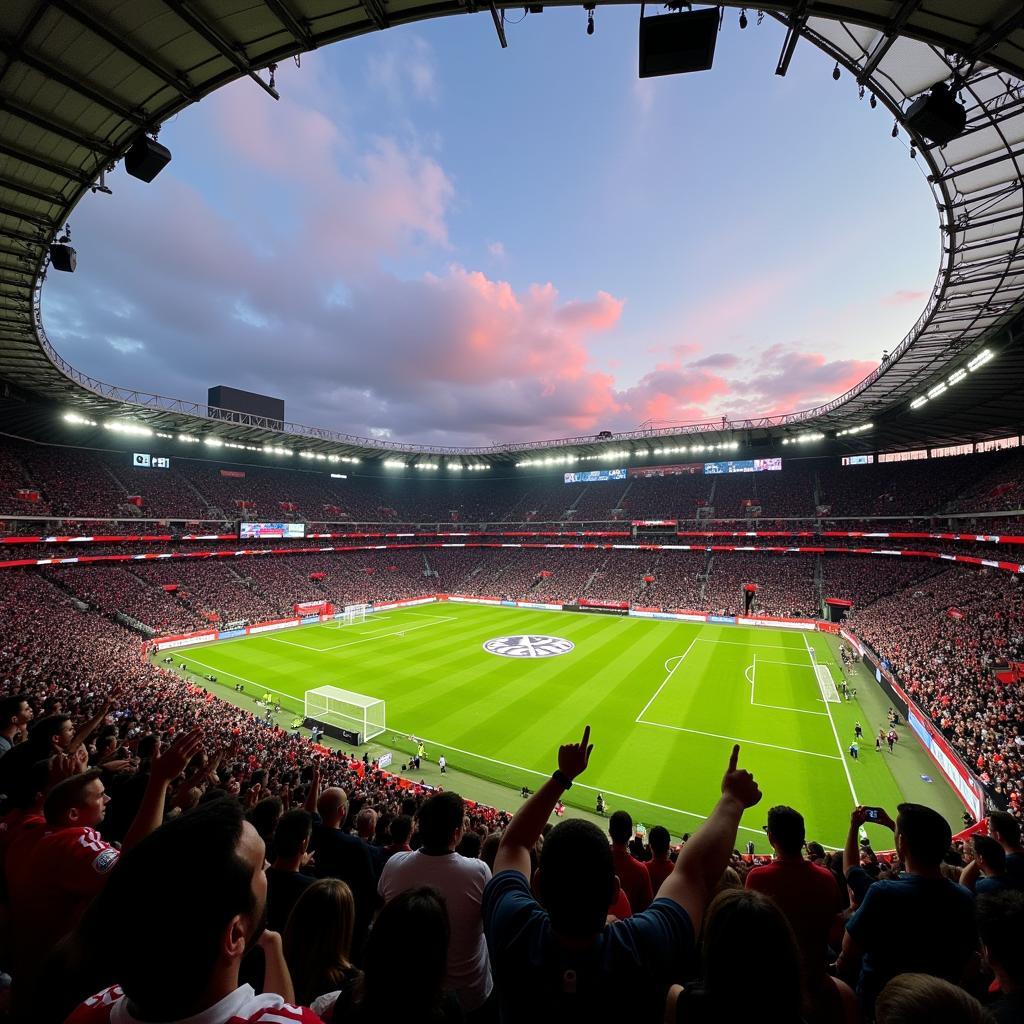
(528, 645)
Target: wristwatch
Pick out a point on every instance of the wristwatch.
(561, 778)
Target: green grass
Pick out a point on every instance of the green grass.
(665, 700)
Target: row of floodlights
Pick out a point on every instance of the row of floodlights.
(984, 356)
(139, 430)
(617, 454)
(454, 466)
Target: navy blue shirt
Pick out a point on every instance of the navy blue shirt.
(625, 974)
(912, 923)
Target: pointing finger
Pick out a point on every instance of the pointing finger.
(734, 758)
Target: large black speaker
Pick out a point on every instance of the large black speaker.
(671, 44)
(146, 159)
(937, 115)
(63, 257)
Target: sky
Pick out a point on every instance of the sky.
(435, 240)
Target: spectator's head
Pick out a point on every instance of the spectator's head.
(745, 919)
(395, 985)
(816, 853)
(265, 816)
(922, 999)
(366, 824)
(659, 841)
(27, 791)
(210, 866)
(785, 830)
(15, 712)
(332, 805)
(576, 878)
(292, 836)
(400, 830)
(620, 828)
(318, 938)
(1005, 828)
(1000, 925)
(922, 837)
(54, 732)
(440, 822)
(469, 845)
(489, 850)
(77, 802)
(990, 855)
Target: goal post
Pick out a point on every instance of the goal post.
(356, 715)
(351, 615)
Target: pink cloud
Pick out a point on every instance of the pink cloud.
(906, 297)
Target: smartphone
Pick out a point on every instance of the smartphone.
(873, 813)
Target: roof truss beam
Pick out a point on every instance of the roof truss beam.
(794, 27)
(14, 53)
(51, 166)
(221, 45)
(175, 80)
(996, 34)
(86, 141)
(281, 11)
(884, 42)
(54, 198)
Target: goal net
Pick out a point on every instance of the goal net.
(345, 709)
(352, 614)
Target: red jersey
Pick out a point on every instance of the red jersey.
(65, 869)
(809, 897)
(19, 833)
(658, 870)
(242, 1006)
(633, 878)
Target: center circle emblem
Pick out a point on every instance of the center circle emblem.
(528, 645)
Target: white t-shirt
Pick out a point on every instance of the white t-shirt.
(461, 881)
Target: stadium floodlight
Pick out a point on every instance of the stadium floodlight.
(937, 390)
(213, 442)
(80, 421)
(956, 376)
(394, 464)
(918, 402)
(188, 439)
(980, 359)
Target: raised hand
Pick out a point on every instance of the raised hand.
(574, 757)
(738, 783)
(171, 763)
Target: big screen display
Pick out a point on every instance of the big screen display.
(743, 466)
(593, 476)
(253, 531)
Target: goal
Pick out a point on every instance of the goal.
(345, 710)
(352, 614)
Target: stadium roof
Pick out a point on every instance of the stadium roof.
(80, 79)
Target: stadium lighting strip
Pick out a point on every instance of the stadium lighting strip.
(815, 435)
(980, 359)
(855, 430)
(562, 460)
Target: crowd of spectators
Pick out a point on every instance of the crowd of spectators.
(785, 584)
(946, 638)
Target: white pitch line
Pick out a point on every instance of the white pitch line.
(352, 643)
(831, 720)
(580, 785)
(738, 739)
(752, 669)
(740, 643)
(788, 664)
(679, 662)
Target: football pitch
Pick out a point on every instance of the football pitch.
(666, 702)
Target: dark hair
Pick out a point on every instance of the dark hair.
(924, 999)
(926, 833)
(746, 919)
(620, 827)
(786, 827)
(440, 817)
(265, 816)
(42, 731)
(659, 840)
(469, 845)
(400, 829)
(10, 707)
(412, 986)
(1006, 826)
(292, 831)
(577, 877)
(194, 860)
(1000, 923)
(68, 793)
(318, 938)
(991, 850)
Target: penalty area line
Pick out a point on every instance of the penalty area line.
(740, 740)
(678, 661)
